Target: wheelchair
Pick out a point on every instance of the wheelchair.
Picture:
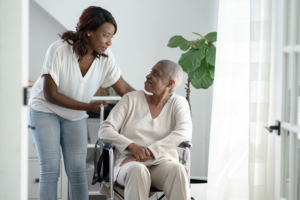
(103, 170)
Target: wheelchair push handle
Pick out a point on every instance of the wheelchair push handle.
(105, 145)
(186, 144)
(101, 113)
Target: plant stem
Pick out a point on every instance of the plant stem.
(188, 91)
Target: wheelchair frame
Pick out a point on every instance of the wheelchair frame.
(110, 148)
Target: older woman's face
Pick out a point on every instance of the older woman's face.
(157, 81)
(100, 39)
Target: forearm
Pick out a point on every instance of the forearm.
(67, 102)
(121, 87)
(129, 89)
(167, 144)
(108, 133)
(51, 95)
(122, 91)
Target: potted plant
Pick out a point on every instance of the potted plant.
(199, 60)
(199, 63)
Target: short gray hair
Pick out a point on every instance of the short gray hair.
(173, 70)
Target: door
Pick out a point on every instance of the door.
(287, 144)
(13, 118)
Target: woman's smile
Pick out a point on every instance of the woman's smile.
(148, 82)
(103, 48)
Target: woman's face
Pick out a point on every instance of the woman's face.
(157, 81)
(100, 39)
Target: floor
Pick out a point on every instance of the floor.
(97, 198)
(197, 190)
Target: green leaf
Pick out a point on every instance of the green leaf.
(211, 70)
(198, 73)
(204, 82)
(211, 37)
(191, 59)
(200, 43)
(202, 77)
(211, 54)
(186, 45)
(203, 65)
(175, 41)
(183, 46)
(202, 52)
(199, 35)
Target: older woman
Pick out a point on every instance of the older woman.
(151, 127)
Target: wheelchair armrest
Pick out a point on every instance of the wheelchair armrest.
(105, 145)
(186, 144)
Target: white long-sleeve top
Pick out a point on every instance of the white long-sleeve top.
(131, 121)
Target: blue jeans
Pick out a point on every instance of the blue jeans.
(51, 131)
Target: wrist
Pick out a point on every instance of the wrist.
(151, 154)
(88, 107)
(129, 146)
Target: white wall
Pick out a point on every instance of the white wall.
(144, 29)
(43, 30)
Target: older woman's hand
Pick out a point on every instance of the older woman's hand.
(128, 159)
(141, 153)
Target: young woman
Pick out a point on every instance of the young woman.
(74, 68)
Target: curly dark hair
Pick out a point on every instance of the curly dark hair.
(90, 20)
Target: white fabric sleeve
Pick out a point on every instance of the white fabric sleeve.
(109, 130)
(181, 133)
(51, 64)
(113, 71)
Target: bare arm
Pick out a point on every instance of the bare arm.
(51, 95)
(121, 87)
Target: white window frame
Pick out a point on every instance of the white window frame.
(284, 49)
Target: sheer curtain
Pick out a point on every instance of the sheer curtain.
(262, 105)
(240, 150)
(229, 137)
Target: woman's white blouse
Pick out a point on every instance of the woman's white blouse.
(62, 64)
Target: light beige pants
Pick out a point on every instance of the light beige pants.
(169, 176)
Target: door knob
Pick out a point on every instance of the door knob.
(31, 127)
(274, 127)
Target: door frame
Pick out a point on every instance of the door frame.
(290, 130)
(14, 40)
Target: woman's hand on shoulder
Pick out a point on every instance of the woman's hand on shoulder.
(95, 106)
(121, 87)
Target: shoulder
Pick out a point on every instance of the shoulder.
(179, 101)
(109, 53)
(108, 61)
(134, 95)
(129, 99)
(59, 47)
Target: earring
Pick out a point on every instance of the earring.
(88, 34)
